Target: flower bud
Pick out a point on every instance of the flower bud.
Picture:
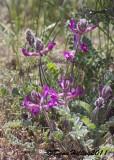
(65, 84)
(82, 25)
(30, 37)
(35, 96)
(38, 44)
(84, 47)
(99, 103)
(106, 92)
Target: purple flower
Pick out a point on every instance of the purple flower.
(51, 103)
(51, 45)
(99, 103)
(36, 44)
(36, 101)
(105, 91)
(82, 26)
(75, 93)
(40, 52)
(69, 56)
(45, 91)
(72, 25)
(84, 47)
(32, 105)
(65, 84)
(26, 53)
(35, 110)
(53, 94)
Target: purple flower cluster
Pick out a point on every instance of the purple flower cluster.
(49, 98)
(82, 26)
(37, 45)
(78, 31)
(104, 93)
(65, 85)
(37, 101)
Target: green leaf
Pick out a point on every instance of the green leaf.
(89, 142)
(50, 65)
(107, 147)
(88, 122)
(86, 106)
(57, 134)
(3, 91)
(46, 139)
(10, 124)
(15, 91)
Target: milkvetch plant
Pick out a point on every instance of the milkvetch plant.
(65, 105)
(50, 98)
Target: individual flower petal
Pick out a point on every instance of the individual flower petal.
(53, 93)
(79, 91)
(84, 47)
(26, 53)
(29, 99)
(28, 102)
(75, 93)
(51, 103)
(59, 102)
(72, 24)
(35, 110)
(45, 91)
(51, 45)
(49, 48)
(91, 28)
(69, 56)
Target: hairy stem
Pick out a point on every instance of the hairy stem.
(44, 75)
(106, 112)
(76, 50)
(39, 66)
(94, 117)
